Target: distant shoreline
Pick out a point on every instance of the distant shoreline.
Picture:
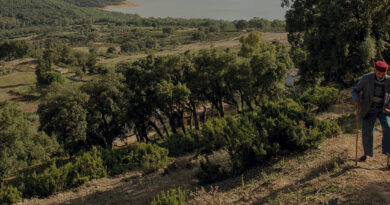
(127, 3)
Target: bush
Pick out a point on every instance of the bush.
(87, 167)
(149, 157)
(287, 124)
(50, 181)
(179, 144)
(245, 144)
(253, 138)
(9, 194)
(322, 97)
(329, 128)
(115, 161)
(47, 78)
(213, 134)
(172, 197)
(210, 172)
(84, 168)
(5, 71)
(198, 36)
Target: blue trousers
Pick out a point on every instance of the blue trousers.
(368, 123)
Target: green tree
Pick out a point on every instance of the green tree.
(10, 50)
(252, 44)
(140, 83)
(241, 25)
(91, 63)
(106, 109)
(212, 67)
(63, 113)
(20, 144)
(47, 78)
(342, 38)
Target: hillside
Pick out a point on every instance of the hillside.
(21, 13)
(93, 3)
(323, 176)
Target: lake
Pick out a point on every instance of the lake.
(213, 9)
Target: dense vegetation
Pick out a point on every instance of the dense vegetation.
(338, 40)
(174, 104)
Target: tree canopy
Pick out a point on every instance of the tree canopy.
(341, 39)
(20, 144)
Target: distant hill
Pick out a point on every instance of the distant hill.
(93, 3)
(22, 13)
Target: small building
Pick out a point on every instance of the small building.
(62, 70)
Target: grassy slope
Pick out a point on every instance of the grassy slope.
(315, 177)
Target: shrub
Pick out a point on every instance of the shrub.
(211, 172)
(51, 180)
(111, 50)
(322, 97)
(329, 128)
(115, 161)
(198, 36)
(9, 194)
(87, 167)
(245, 145)
(172, 197)
(213, 134)
(84, 168)
(130, 47)
(167, 30)
(5, 71)
(149, 157)
(287, 124)
(179, 144)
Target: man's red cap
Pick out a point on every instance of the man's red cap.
(381, 66)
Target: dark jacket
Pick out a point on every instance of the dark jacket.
(366, 87)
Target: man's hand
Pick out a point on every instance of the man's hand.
(386, 111)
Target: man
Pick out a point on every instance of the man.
(374, 88)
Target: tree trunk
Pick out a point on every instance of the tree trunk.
(172, 123)
(157, 130)
(221, 112)
(191, 121)
(182, 121)
(204, 113)
(143, 133)
(195, 115)
(162, 123)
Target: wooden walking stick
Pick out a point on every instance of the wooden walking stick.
(357, 137)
